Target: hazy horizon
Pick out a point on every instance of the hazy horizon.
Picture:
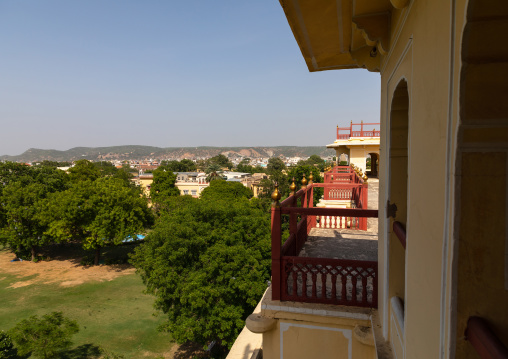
(165, 74)
(165, 147)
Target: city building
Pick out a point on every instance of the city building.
(191, 183)
(441, 277)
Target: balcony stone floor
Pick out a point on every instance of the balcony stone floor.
(346, 243)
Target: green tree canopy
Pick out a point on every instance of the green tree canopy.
(119, 212)
(99, 213)
(106, 168)
(184, 165)
(297, 173)
(221, 160)
(213, 172)
(21, 201)
(276, 170)
(84, 170)
(244, 166)
(11, 171)
(53, 164)
(207, 263)
(44, 337)
(163, 185)
(224, 190)
(275, 166)
(315, 161)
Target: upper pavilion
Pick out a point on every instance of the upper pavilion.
(358, 142)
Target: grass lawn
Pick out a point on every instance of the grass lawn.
(114, 314)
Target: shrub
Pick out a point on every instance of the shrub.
(6, 346)
(44, 337)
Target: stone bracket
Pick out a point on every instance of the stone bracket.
(375, 29)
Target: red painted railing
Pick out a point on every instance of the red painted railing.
(400, 232)
(342, 174)
(319, 280)
(329, 281)
(483, 339)
(352, 132)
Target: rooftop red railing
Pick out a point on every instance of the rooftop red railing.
(345, 133)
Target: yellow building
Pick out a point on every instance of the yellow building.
(358, 142)
(145, 181)
(442, 273)
(189, 183)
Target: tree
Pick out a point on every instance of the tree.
(21, 201)
(297, 173)
(275, 165)
(67, 213)
(9, 172)
(105, 168)
(53, 164)
(163, 185)
(6, 346)
(99, 213)
(44, 337)
(213, 170)
(119, 212)
(125, 175)
(276, 170)
(84, 170)
(317, 161)
(207, 263)
(224, 190)
(184, 165)
(244, 166)
(188, 165)
(222, 161)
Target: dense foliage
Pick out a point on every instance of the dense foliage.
(223, 190)
(207, 261)
(21, 198)
(313, 160)
(184, 165)
(244, 166)
(283, 177)
(41, 205)
(163, 185)
(44, 337)
(6, 346)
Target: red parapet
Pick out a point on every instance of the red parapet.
(352, 131)
(329, 281)
(276, 252)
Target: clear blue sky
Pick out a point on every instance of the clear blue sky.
(166, 73)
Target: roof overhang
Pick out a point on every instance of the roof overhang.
(342, 34)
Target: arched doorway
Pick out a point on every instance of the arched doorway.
(374, 164)
(398, 188)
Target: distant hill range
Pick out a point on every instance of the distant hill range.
(149, 152)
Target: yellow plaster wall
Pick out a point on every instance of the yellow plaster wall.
(144, 183)
(190, 186)
(304, 339)
(421, 55)
(481, 289)
(482, 175)
(358, 155)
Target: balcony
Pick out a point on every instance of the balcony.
(328, 257)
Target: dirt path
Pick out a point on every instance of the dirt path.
(66, 272)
